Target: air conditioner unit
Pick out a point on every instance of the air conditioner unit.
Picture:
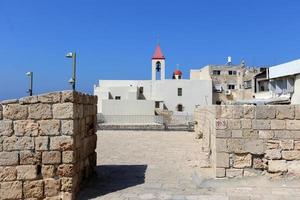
(228, 92)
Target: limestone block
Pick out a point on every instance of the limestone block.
(6, 128)
(49, 127)
(40, 111)
(251, 172)
(69, 96)
(51, 157)
(48, 171)
(258, 163)
(297, 145)
(11, 190)
(220, 172)
(261, 124)
(15, 111)
(8, 174)
(61, 143)
(285, 112)
(69, 157)
(41, 143)
(291, 155)
(28, 100)
(277, 166)
(18, 143)
(236, 145)
(238, 112)
(67, 184)
(221, 124)
(50, 97)
(66, 170)
(9, 158)
(293, 124)
(286, 134)
(286, 144)
(265, 112)
(297, 111)
(67, 127)
(293, 168)
(242, 160)
(223, 133)
(234, 124)
(234, 173)
(52, 187)
(277, 124)
(273, 144)
(250, 134)
(249, 111)
(254, 146)
(265, 134)
(237, 133)
(26, 128)
(63, 111)
(222, 160)
(33, 189)
(26, 172)
(67, 195)
(273, 154)
(246, 123)
(30, 157)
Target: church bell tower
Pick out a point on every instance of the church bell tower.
(158, 64)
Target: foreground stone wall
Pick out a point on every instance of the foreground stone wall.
(251, 140)
(47, 145)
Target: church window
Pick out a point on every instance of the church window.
(158, 66)
(179, 108)
(179, 91)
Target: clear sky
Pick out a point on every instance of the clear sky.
(115, 39)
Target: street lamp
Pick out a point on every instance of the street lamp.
(72, 81)
(30, 75)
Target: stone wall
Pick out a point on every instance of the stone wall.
(47, 145)
(251, 140)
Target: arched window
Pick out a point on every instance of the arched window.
(179, 108)
(158, 64)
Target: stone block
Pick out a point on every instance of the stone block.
(42, 143)
(236, 145)
(69, 157)
(40, 111)
(261, 124)
(273, 144)
(50, 97)
(285, 112)
(278, 124)
(265, 112)
(237, 133)
(251, 172)
(67, 184)
(293, 124)
(221, 124)
(220, 172)
(48, 171)
(28, 100)
(67, 195)
(291, 155)
(33, 189)
(242, 160)
(285, 134)
(11, 190)
(51, 187)
(265, 134)
(15, 111)
(258, 163)
(238, 112)
(277, 166)
(26, 128)
(254, 146)
(67, 127)
(222, 160)
(297, 111)
(249, 111)
(69, 96)
(49, 127)
(63, 111)
(293, 168)
(297, 145)
(286, 144)
(6, 128)
(250, 134)
(9, 158)
(223, 133)
(66, 170)
(51, 157)
(8, 174)
(26, 172)
(234, 173)
(61, 143)
(30, 157)
(273, 154)
(234, 124)
(246, 123)
(18, 143)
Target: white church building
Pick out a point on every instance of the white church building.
(146, 97)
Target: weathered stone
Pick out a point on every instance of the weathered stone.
(26, 172)
(18, 143)
(223, 133)
(293, 168)
(49, 127)
(61, 143)
(222, 160)
(265, 112)
(237, 133)
(6, 128)
(41, 143)
(254, 146)
(277, 124)
(8, 174)
(297, 111)
(30, 158)
(221, 124)
(221, 145)
(48, 171)
(293, 124)
(52, 187)
(67, 195)
(287, 144)
(236, 145)
(297, 145)
(65, 170)
(233, 173)
(258, 163)
(67, 184)
(63, 111)
(220, 172)
(273, 144)
(67, 127)
(69, 157)
(285, 112)
(273, 154)
(242, 160)
(40, 111)
(250, 134)
(249, 112)
(261, 124)
(277, 166)
(26, 127)
(238, 112)
(51, 157)
(251, 172)
(68, 96)
(28, 100)
(11, 190)
(15, 111)
(234, 124)
(9, 158)
(265, 134)
(291, 155)
(33, 189)
(246, 123)
(50, 97)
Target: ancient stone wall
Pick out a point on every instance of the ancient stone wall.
(251, 140)
(47, 145)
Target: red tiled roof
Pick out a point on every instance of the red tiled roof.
(158, 53)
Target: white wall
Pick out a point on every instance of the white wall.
(296, 95)
(285, 69)
(128, 107)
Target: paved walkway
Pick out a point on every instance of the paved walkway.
(136, 165)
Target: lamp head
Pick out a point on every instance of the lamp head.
(71, 81)
(69, 55)
(29, 73)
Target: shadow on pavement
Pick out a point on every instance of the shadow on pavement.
(111, 178)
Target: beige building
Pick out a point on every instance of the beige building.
(230, 82)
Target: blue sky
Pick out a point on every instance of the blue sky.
(115, 39)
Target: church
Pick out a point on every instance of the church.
(148, 97)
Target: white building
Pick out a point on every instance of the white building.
(145, 97)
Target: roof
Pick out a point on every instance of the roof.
(177, 72)
(158, 53)
(285, 69)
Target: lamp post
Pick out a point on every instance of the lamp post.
(72, 81)
(30, 75)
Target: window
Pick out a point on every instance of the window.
(179, 108)
(218, 102)
(157, 104)
(263, 86)
(117, 97)
(232, 72)
(158, 66)
(141, 90)
(248, 84)
(179, 91)
(216, 72)
(231, 86)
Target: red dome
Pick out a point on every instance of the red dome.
(177, 72)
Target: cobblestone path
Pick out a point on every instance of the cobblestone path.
(147, 165)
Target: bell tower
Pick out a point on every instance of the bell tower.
(158, 64)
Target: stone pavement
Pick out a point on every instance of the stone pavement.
(145, 165)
